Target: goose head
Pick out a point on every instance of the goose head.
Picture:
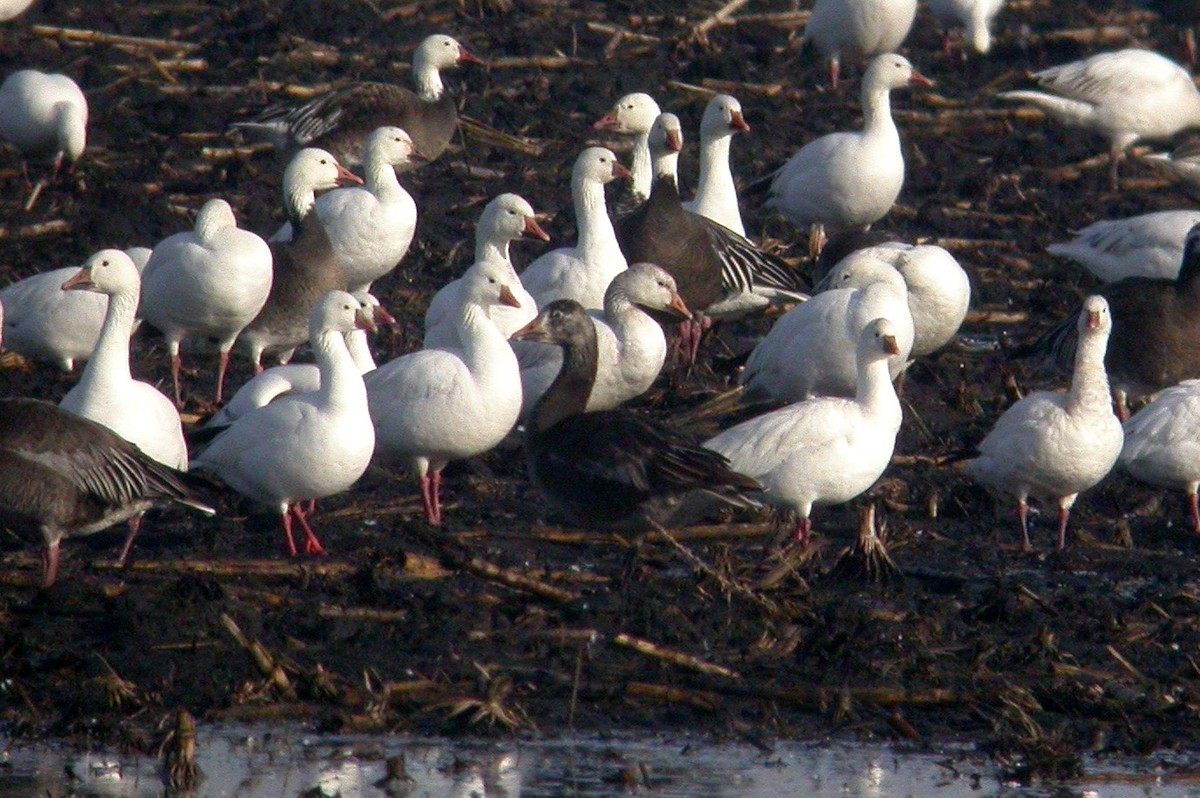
(598, 165)
(488, 284)
(666, 135)
(878, 341)
(440, 51)
(651, 288)
(632, 114)
(722, 117)
(563, 322)
(109, 271)
(214, 216)
(1094, 318)
(507, 218)
(311, 170)
(374, 308)
(392, 146)
(859, 272)
(892, 71)
(341, 313)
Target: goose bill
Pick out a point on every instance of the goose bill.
(918, 79)
(364, 319)
(621, 172)
(890, 346)
(345, 175)
(533, 229)
(81, 280)
(507, 297)
(738, 122)
(533, 332)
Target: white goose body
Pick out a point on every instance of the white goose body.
(1162, 443)
(857, 29)
(1149, 245)
(44, 114)
(716, 194)
(974, 15)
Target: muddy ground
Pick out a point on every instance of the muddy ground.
(501, 621)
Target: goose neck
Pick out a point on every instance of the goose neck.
(568, 395)
(596, 233)
(875, 390)
(492, 249)
(110, 360)
(341, 379)
(360, 351)
(1089, 383)
(715, 174)
(485, 350)
(298, 202)
(428, 79)
(380, 177)
(877, 110)
(642, 168)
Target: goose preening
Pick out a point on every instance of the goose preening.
(850, 179)
(1123, 96)
(716, 195)
(505, 219)
(1057, 445)
(44, 115)
(1162, 443)
(633, 115)
(211, 281)
(1183, 163)
(305, 267)
(107, 392)
(631, 346)
(1149, 245)
(370, 227)
(44, 322)
(304, 446)
(340, 120)
(613, 468)
(824, 450)
(437, 405)
(974, 15)
(857, 29)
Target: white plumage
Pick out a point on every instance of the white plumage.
(1149, 245)
(1162, 443)
(44, 114)
(716, 194)
(858, 29)
(974, 15)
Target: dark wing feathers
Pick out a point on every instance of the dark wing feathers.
(747, 265)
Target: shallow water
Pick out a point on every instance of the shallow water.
(255, 763)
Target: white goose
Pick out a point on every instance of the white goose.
(436, 405)
(847, 180)
(370, 228)
(506, 218)
(631, 347)
(211, 281)
(974, 15)
(716, 195)
(305, 446)
(44, 322)
(44, 114)
(107, 393)
(1149, 245)
(825, 450)
(810, 351)
(858, 29)
(11, 9)
(1124, 96)
(634, 115)
(583, 272)
(1162, 443)
(1056, 445)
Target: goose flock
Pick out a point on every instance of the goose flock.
(576, 354)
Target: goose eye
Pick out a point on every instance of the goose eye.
(492, 280)
(512, 213)
(103, 263)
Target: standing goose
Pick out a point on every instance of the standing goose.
(506, 218)
(106, 392)
(309, 445)
(44, 115)
(210, 282)
(1056, 445)
(633, 115)
(436, 405)
(1162, 443)
(613, 468)
(340, 120)
(974, 15)
(370, 227)
(305, 268)
(847, 180)
(716, 195)
(1123, 96)
(857, 29)
(824, 450)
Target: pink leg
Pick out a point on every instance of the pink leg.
(428, 503)
(222, 367)
(1194, 503)
(436, 478)
(176, 366)
(1189, 44)
(1063, 515)
(804, 531)
(50, 564)
(135, 526)
(835, 71)
(312, 545)
(287, 531)
(1023, 514)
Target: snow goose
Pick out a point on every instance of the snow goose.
(1056, 445)
(340, 120)
(305, 268)
(631, 347)
(1162, 443)
(506, 218)
(44, 114)
(583, 272)
(371, 227)
(1150, 245)
(44, 322)
(824, 450)
(850, 179)
(811, 350)
(211, 281)
(106, 392)
(634, 115)
(305, 446)
(857, 29)
(974, 15)
(1184, 165)
(264, 388)
(1155, 330)
(938, 290)
(613, 468)
(11, 9)
(436, 405)
(716, 195)
(1123, 96)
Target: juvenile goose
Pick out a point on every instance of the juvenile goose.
(106, 392)
(309, 445)
(857, 29)
(716, 195)
(631, 347)
(305, 268)
(1162, 443)
(44, 322)
(370, 227)
(1123, 96)
(634, 115)
(974, 15)
(44, 115)
(613, 468)
(824, 450)
(211, 281)
(1183, 163)
(850, 179)
(340, 120)
(1149, 245)
(583, 272)
(436, 405)
(506, 218)
(1056, 445)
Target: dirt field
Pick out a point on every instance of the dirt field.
(500, 621)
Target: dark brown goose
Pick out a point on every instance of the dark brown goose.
(340, 120)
